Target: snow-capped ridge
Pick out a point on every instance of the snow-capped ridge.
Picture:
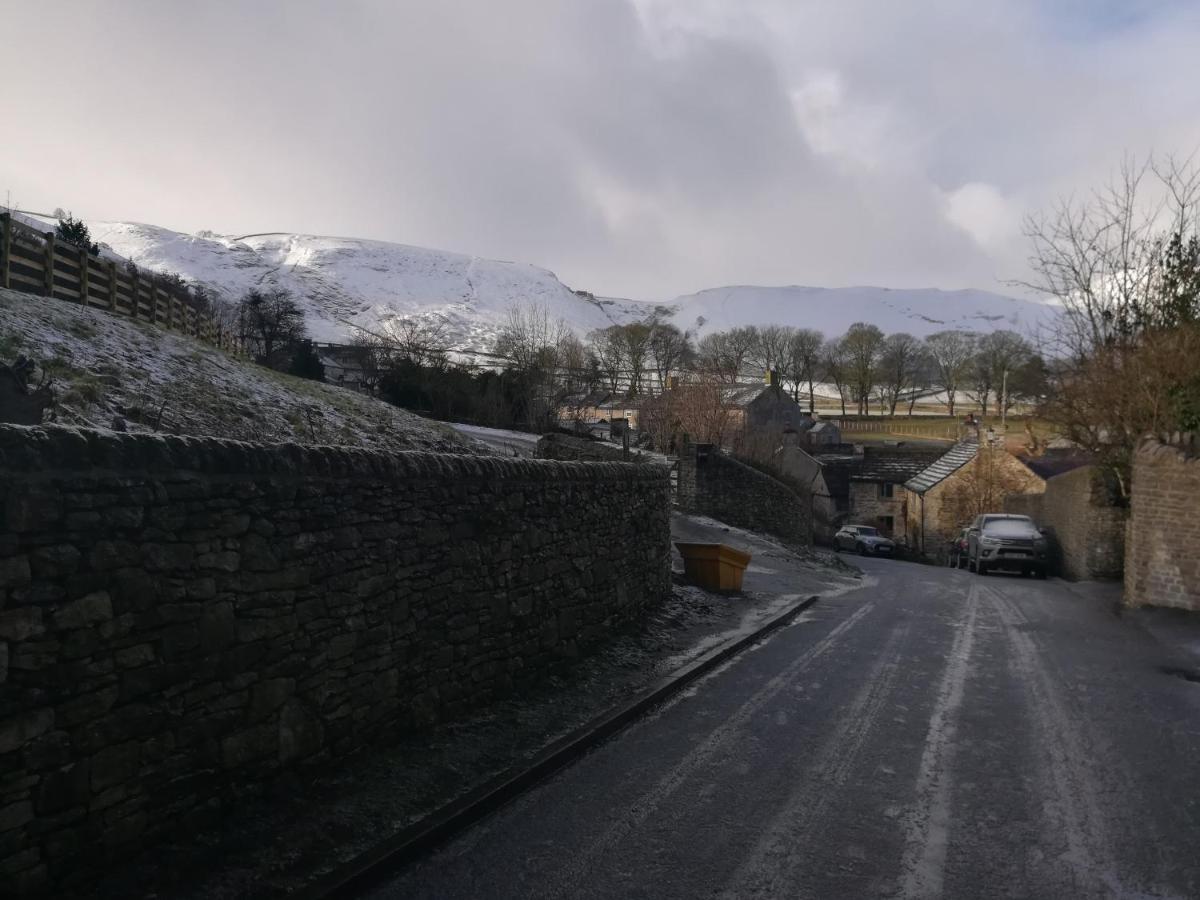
(347, 285)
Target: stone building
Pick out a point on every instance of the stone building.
(875, 487)
(966, 480)
(581, 411)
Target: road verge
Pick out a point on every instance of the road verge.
(418, 839)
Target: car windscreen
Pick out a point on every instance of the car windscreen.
(867, 531)
(1010, 528)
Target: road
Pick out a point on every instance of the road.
(937, 734)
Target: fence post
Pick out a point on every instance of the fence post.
(135, 292)
(112, 286)
(84, 276)
(48, 274)
(5, 246)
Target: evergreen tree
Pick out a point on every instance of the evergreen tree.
(74, 231)
(306, 363)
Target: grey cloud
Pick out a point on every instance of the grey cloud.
(644, 148)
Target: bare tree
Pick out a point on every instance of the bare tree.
(739, 345)
(1104, 259)
(836, 366)
(802, 361)
(635, 344)
(532, 340)
(423, 340)
(609, 352)
(715, 359)
(863, 344)
(898, 363)
(670, 351)
(951, 353)
(1001, 355)
(770, 350)
(1124, 268)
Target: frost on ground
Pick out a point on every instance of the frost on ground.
(280, 842)
(500, 440)
(106, 366)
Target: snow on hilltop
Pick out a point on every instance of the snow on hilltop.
(344, 282)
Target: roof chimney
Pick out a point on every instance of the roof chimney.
(771, 378)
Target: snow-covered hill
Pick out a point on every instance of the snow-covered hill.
(346, 284)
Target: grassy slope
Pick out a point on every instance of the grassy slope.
(106, 366)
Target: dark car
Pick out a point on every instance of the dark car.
(1001, 541)
(864, 539)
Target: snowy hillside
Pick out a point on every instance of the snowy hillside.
(833, 310)
(343, 283)
(106, 367)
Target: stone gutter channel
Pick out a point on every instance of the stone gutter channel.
(413, 842)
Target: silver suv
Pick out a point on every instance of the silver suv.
(999, 541)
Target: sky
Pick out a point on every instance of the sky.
(637, 148)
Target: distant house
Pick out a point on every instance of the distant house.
(863, 485)
(583, 411)
(876, 494)
(756, 408)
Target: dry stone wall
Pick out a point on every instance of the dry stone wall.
(713, 484)
(1162, 566)
(185, 617)
(1088, 531)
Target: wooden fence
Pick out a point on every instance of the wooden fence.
(36, 263)
(944, 428)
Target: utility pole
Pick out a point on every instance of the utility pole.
(1004, 403)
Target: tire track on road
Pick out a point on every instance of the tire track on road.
(1075, 811)
(777, 854)
(649, 803)
(928, 828)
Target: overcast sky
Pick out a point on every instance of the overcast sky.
(642, 148)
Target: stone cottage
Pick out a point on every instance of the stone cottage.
(970, 478)
(875, 488)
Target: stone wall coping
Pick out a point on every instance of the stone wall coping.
(1183, 446)
(58, 448)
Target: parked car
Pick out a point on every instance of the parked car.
(1001, 541)
(957, 553)
(864, 539)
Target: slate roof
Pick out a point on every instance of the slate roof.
(743, 394)
(894, 464)
(945, 466)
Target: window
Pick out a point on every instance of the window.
(886, 524)
(887, 489)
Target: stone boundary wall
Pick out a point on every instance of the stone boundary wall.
(713, 484)
(568, 448)
(1089, 533)
(183, 618)
(1162, 565)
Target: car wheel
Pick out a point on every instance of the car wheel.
(862, 549)
(981, 568)
(1039, 573)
